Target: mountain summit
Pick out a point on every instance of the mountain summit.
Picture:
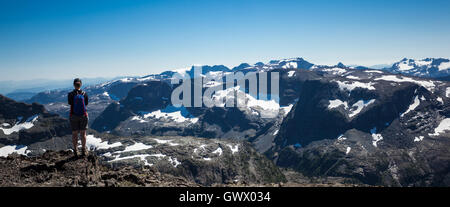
(428, 67)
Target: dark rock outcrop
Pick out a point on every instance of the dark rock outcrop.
(61, 169)
(27, 124)
(391, 141)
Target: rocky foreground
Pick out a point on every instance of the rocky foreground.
(62, 169)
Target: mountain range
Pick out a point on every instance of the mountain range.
(429, 67)
(388, 127)
(22, 90)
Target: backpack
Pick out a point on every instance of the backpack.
(79, 108)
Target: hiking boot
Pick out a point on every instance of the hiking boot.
(75, 154)
(84, 153)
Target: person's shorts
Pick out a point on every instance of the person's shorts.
(79, 122)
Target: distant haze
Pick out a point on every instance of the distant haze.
(40, 85)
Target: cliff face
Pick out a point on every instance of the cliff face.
(382, 130)
(31, 125)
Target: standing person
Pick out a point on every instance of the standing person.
(78, 100)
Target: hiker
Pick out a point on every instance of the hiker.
(78, 100)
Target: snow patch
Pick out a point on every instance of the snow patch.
(174, 161)
(159, 155)
(349, 85)
(373, 71)
(181, 70)
(126, 80)
(287, 109)
(360, 105)
(421, 63)
(341, 138)
(336, 103)
(138, 118)
(136, 147)
(179, 115)
(146, 78)
(444, 66)
(443, 126)
(202, 147)
(262, 107)
(29, 123)
(348, 150)
(376, 137)
(353, 77)
(97, 143)
(175, 116)
(335, 71)
(290, 65)
(276, 132)
(270, 105)
(403, 66)
(355, 109)
(233, 149)
(419, 138)
(429, 85)
(169, 142)
(10, 149)
(291, 73)
(141, 157)
(413, 106)
(218, 151)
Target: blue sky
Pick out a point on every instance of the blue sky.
(64, 39)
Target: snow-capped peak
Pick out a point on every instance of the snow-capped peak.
(428, 67)
(289, 63)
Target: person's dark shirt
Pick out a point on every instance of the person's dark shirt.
(71, 95)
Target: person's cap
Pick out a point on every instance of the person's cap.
(77, 80)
